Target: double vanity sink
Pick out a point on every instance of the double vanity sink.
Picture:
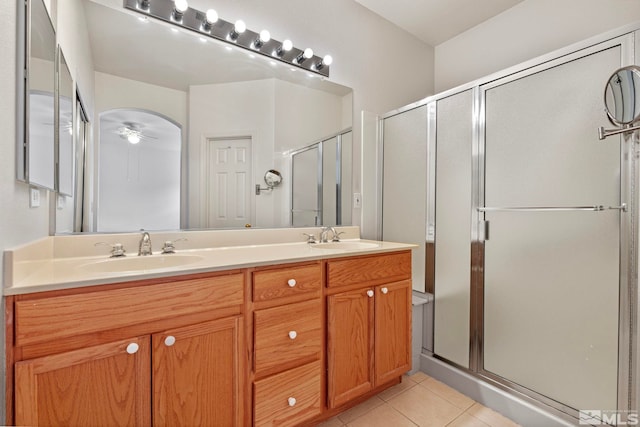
(60, 262)
(133, 264)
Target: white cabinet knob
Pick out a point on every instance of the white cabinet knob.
(370, 293)
(291, 283)
(292, 401)
(293, 335)
(384, 290)
(133, 348)
(170, 340)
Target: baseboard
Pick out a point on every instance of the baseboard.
(512, 407)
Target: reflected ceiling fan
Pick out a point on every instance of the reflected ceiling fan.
(133, 133)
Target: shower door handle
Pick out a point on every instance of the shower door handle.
(594, 208)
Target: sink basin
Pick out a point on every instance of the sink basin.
(345, 246)
(139, 263)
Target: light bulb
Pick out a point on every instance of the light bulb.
(286, 46)
(327, 60)
(262, 38)
(308, 53)
(211, 16)
(240, 27)
(133, 138)
(265, 36)
(181, 5)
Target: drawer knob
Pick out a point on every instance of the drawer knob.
(170, 340)
(291, 283)
(133, 348)
(292, 401)
(293, 335)
(384, 290)
(370, 293)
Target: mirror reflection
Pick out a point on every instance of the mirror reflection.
(620, 98)
(40, 101)
(238, 116)
(65, 128)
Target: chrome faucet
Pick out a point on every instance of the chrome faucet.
(145, 244)
(323, 234)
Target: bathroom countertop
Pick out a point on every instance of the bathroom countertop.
(71, 272)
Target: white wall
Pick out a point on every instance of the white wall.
(529, 29)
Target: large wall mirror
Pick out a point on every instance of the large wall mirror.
(239, 116)
(36, 150)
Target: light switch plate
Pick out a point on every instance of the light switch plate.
(357, 200)
(34, 197)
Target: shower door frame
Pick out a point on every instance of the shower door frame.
(626, 395)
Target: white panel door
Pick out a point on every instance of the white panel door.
(228, 183)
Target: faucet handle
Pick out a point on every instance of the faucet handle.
(169, 246)
(336, 236)
(117, 249)
(310, 238)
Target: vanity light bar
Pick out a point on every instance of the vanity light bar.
(196, 21)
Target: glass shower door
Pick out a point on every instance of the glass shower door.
(552, 198)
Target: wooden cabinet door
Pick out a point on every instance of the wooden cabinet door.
(197, 375)
(392, 331)
(104, 385)
(349, 345)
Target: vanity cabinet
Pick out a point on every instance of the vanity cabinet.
(288, 344)
(145, 355)
(369, 325)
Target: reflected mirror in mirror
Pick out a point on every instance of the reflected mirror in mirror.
(65, 128)
(273, 178)
(40, 116)
(215, 93)
(621, 97)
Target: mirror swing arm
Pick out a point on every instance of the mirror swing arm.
(621, 102)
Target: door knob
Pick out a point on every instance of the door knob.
(370, 293)
(291, 283)
(170, 340)
(293, 335)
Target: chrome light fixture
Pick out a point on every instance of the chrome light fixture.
(208, 24)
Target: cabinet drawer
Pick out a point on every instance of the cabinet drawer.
(369, 270)
(52, 318)
(286, 282)
(288, 398)
(286, 334)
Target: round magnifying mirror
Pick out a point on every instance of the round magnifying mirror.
(273, 178)
(621, 98)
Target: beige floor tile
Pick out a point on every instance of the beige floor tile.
(418, 377)
(331, 422)
(466, 420)
(382, 416)
(359, 410)
(448, 393)
(425, 408)
(490, 416)
(391, 392)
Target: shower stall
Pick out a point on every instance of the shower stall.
(530, 232)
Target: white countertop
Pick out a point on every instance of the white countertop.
(45, 274)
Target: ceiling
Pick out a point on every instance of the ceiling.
(435, 21)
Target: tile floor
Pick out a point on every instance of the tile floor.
(419, 400)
